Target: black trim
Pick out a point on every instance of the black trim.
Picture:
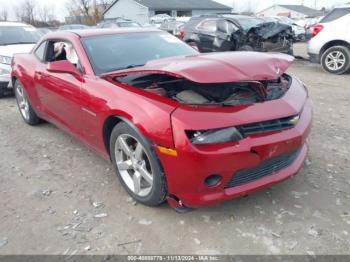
(264, 169)
(4, 85)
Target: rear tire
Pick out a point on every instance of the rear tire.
(336, 60)
(28, 114)
(137, 165)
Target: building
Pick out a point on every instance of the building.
(142, 10)
(292, 11)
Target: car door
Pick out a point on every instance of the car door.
(59, 94)
(206, 31)
(224, 40)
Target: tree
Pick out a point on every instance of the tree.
(26, 11)
(46, 14)
(87, 11)
(4, 14)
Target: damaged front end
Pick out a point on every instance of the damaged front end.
(270, 36)
(221, 79)
(188, 92)
(267, 37)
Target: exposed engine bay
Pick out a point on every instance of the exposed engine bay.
(271, 36)
(192, 93)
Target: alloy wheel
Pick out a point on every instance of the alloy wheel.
(22, 101)
(133, 165)
(335, 60)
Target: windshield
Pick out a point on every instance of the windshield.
(109, 53)
(18, 35)
(248, 23)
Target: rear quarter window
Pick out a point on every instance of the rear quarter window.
(335, 14)
(207, 25)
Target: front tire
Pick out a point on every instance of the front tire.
(137, 165)
(28, 114)
(336, 60)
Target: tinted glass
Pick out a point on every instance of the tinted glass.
(40, 51)
(119, 51)
(335, 14)
(19, 35)
(227, 27)
(209, 26)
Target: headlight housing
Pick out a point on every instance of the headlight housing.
(5, 60)
(214, 136)
(4, 71)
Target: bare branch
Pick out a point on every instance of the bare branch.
(4, 14)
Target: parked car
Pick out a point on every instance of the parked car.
(173, 27)
(308, 24)
(193, 129)
(44, 30)
(298, 31)
(330, 43)
(115, 23)
(14, 38)
(160, 18)
(73, 27)
(238, 33)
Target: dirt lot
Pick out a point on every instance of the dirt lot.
(57, 197)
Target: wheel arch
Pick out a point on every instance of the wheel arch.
(108, 127)
(13, 80)
(334, 43)
(114, 120)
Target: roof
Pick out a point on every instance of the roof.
(179, 5)
(303, 9)
(99, 32)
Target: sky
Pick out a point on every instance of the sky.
(239, 5)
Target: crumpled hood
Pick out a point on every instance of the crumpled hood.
(10, 50)
(217, 67)
(270, 29)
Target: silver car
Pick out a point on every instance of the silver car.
(14, 38)
(330, 42)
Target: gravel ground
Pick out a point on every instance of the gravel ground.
(57, 197)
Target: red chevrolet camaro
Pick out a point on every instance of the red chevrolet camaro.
(193, 129)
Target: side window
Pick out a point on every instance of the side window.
(59, 50)
(40, 51)
(335, 14)
(226, 27)
(207, 25)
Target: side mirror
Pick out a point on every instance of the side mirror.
(64, 66)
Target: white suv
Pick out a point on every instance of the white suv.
(14, 38)
(330, 43)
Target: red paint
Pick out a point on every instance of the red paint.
(317, 28)
(219, 67)
(81, 105)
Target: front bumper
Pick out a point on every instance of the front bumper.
(187, 172)
(5, 79)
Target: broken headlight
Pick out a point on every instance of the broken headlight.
(214, 136)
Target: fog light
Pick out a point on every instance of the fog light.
(212, 180)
